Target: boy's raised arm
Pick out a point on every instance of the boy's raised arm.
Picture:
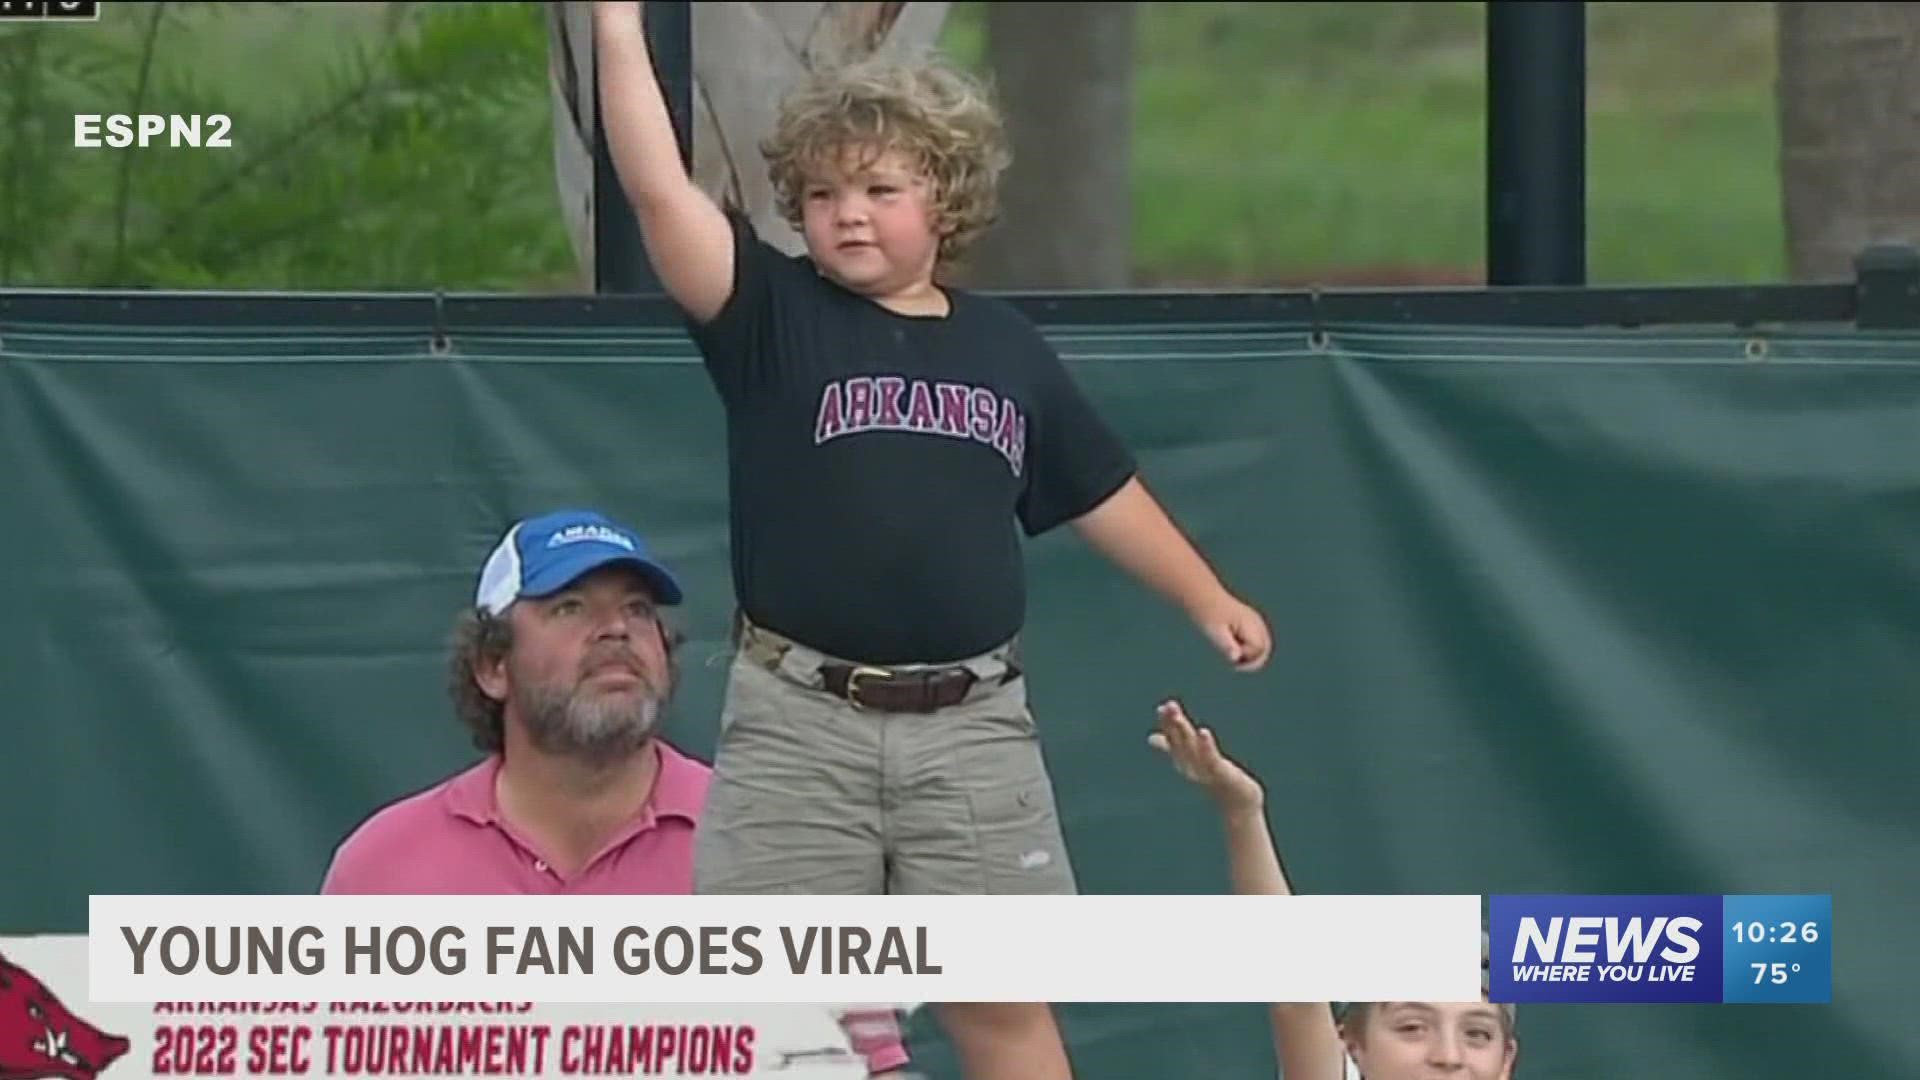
(688, 240)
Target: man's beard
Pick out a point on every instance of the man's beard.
(596, 728)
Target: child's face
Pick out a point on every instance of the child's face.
(870, 223)
(1423, 1040)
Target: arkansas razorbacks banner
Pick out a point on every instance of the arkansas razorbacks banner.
(50, 1029)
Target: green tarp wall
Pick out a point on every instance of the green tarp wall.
(1556, 612)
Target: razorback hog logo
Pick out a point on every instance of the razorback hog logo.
(39, 1038)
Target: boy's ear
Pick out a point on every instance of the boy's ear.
(1348, 1032)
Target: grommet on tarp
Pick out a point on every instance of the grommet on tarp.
(1318, 339)
(1757, 348)
(439, 344)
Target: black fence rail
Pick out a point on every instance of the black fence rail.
(1884, 295)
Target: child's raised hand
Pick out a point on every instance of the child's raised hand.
(1196, 755)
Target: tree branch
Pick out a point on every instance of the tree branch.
(25, 78)
(123, 196)
(734, 196)
(286, 144)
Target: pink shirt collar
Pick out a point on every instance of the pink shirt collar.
(679, 790)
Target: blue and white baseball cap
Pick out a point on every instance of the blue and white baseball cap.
(542, 555)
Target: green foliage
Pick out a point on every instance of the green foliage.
(408, 146)
(394, 147)
(1288, 142)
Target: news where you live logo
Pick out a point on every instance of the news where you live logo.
(1734, 949)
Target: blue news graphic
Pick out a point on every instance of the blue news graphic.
(1661, 949)
(1778, 950)
(1611, 949)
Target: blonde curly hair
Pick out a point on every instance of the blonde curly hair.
(941, 118)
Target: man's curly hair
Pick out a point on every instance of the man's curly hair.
(479, 640)
(931, 111)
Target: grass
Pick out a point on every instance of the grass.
(1277, 143)
(1288, 142)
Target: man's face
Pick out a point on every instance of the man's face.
(588, 673)
(1424, 1040)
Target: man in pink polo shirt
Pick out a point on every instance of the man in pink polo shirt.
(561, 671)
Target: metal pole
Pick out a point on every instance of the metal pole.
(1536, 142)
(619, 255)
(1887, 286)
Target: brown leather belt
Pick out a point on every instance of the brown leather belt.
(921, 691)
(867, 686)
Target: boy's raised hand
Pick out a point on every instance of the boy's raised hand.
(1196, 755)
(687, 238)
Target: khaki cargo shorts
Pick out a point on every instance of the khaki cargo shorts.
(814, 794)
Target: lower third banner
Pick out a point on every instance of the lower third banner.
(1733, 949)
(49, 1027)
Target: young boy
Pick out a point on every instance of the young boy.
(889, 439)
(1393, 1040)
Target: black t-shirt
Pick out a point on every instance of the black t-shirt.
(882, 466)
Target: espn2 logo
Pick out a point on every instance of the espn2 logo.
(149, 129)
(1605, 949)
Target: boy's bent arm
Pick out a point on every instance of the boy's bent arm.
(688, 239)
(1134, 531)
